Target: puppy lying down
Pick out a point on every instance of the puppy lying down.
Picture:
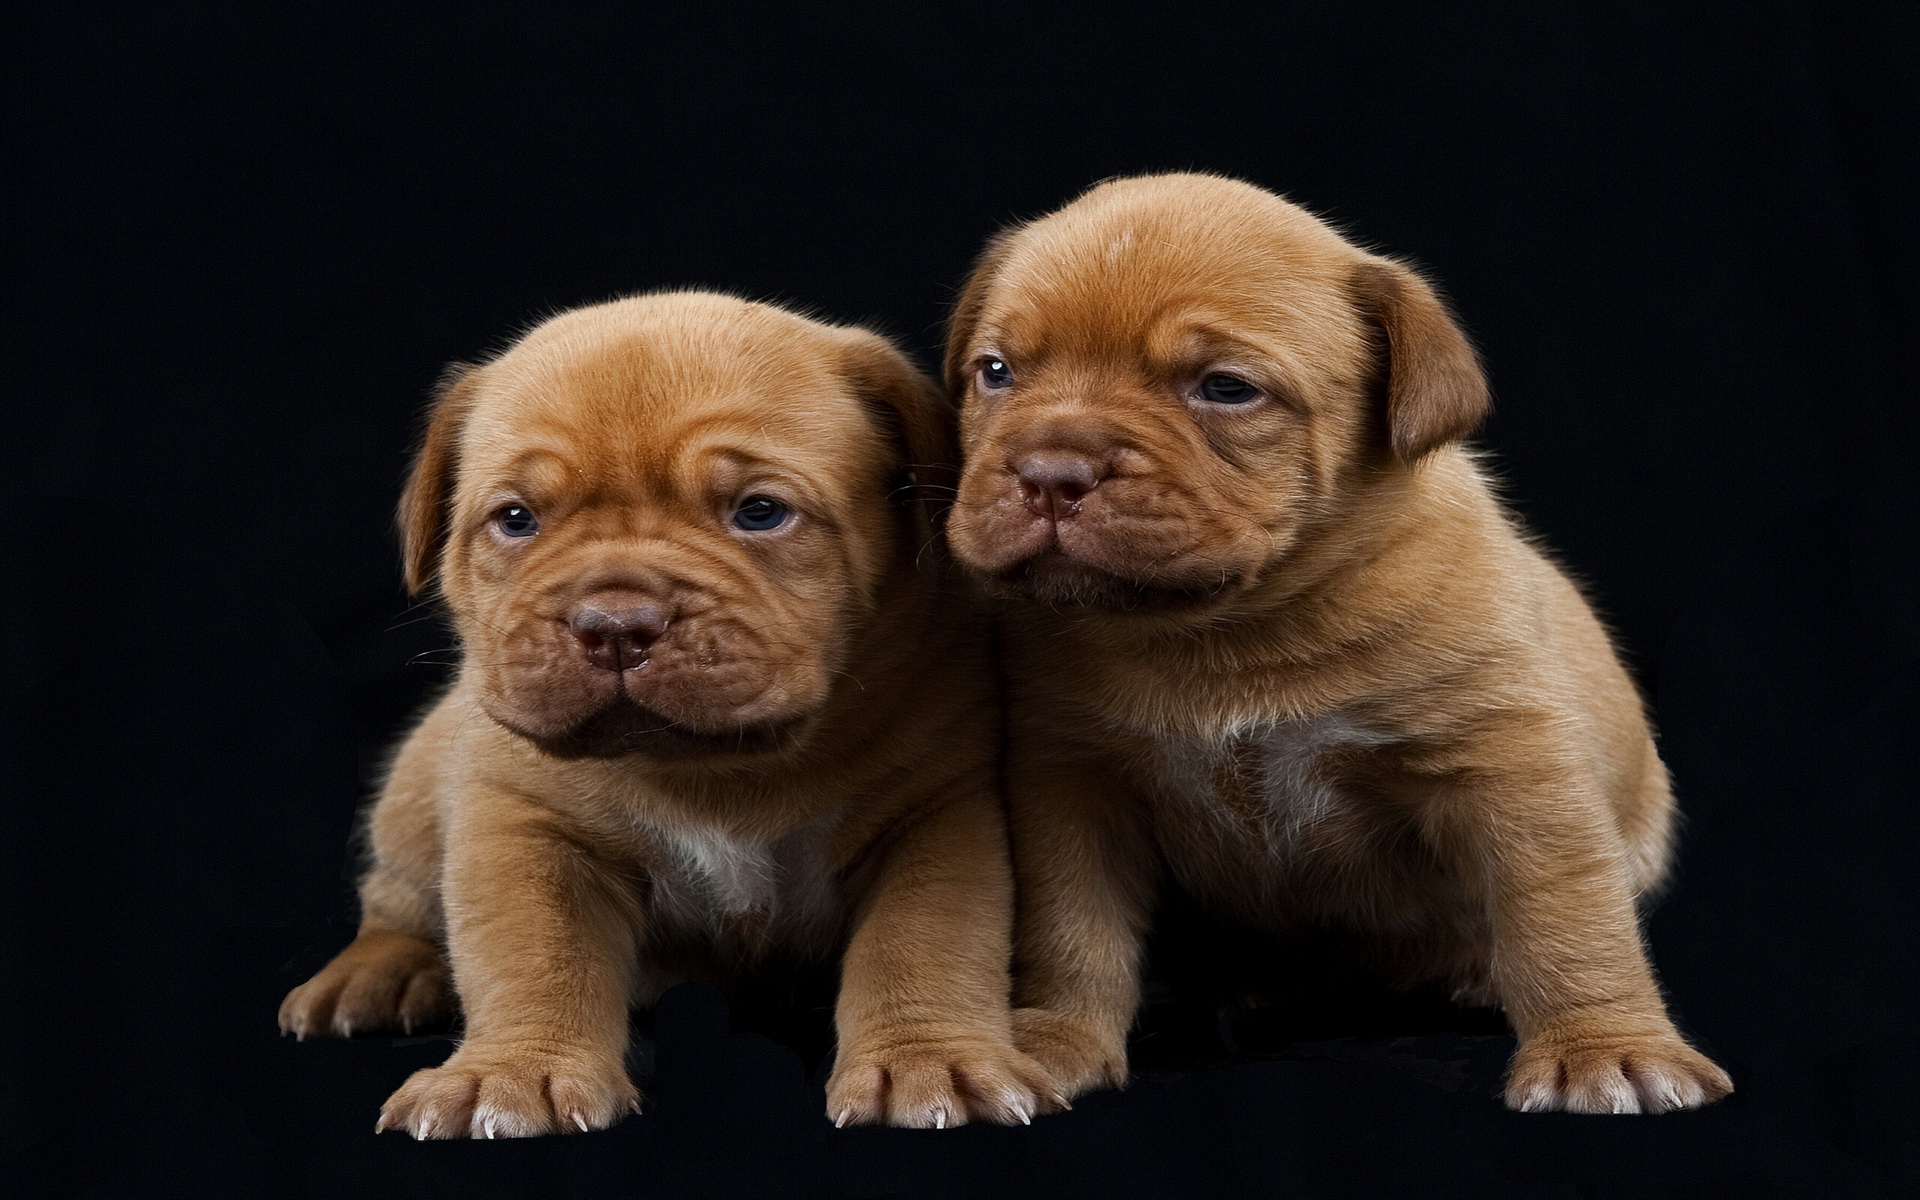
(1269, 627)
(716, 700)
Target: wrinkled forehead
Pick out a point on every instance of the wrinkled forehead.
(1160, 278)
(621, 402)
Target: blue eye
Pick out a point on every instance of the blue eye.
(1225, 389)
(995, 375)
(517, 520)
(757, 513)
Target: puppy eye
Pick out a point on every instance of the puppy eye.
(758, 513)
(516, 520)
(995, 375)
(1225, 389)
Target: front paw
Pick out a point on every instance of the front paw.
(934, 1083)
(1081, 1055)
(507, 1092)
(1587, 1070)
(382, 982)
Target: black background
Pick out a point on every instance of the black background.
(243, 241)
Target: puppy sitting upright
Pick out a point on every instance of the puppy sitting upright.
(716, 700)
(1272, 629)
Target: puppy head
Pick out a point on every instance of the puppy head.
(662, 522)
(1171, 380)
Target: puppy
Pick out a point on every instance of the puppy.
(717, 702)
(1271, 628)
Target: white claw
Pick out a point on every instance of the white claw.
(1669, 1096)
(939, 1118)
(1017, 1105)
(580, 1121)
(840, 1121)
(489, 1128)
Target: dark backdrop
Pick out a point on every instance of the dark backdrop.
(242, 242)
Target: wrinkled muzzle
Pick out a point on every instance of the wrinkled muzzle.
(639, 664)
(1090, 511)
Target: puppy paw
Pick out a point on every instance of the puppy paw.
(1081, 1056)
(381, 983)
(495, 1093)
(934, 1084)
(1588, 1072)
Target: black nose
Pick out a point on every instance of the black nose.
(617, 640)
(1053, 482)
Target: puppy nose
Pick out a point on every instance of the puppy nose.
(617, 639)
(1053, 482)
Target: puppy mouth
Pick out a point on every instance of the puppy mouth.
(623, 728)
(1054, 577)
(1016, 555)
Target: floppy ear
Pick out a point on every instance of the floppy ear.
(1434, 389)
(965, 320)
(424, 502)
(917, 419)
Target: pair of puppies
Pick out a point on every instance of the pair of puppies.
(1266, 628)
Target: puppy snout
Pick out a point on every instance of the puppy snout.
(1053, 482)
(617, 639)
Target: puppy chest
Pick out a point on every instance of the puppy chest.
(1264, 793)
(741, 893)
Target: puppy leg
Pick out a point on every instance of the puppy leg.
(1085, 873)
(924, 1031)
(542, 936)
(1568, 963)
(393, 977)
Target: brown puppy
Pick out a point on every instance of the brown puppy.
(1273, 629)
(716, 699)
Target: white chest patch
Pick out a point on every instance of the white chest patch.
(735, 874)
(714, 880)
(1265, 774)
